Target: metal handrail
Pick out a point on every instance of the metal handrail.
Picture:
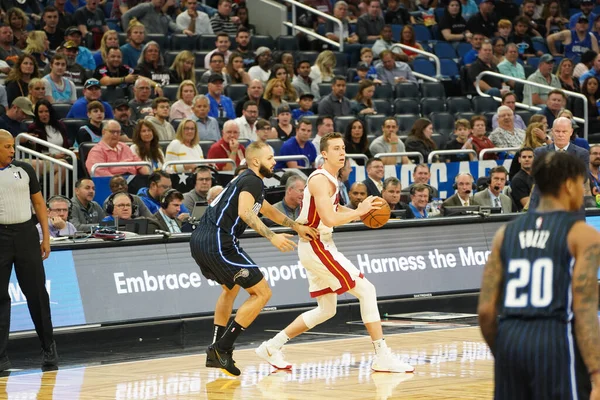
(294, 157)
(526, 82)
(357, 156)
(483, 152)
(402, 154)
(119, 164)
(206, 161)
(309, 32)
(442, 152)
(436, 61)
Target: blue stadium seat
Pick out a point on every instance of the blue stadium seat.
(236, 92)
(444, 50)
(439, 13)
(449, 68)
(257, 41)
(341, 60)
(407, 90)
(351, 90)
(422, 33)
(459, 105)
(107, 8)
(443, 123)
(406, 121)
(310, 56)
(289, 43)
(533, 62)
(540, 46)
(463, 48)
(276, 145)
(175, 122)
(406, 106)
(482, 105)
(170, 92)
(432, 105)
(374, 123)
(383, 106)
(396, 31)
(433, 90)
(206, 42)
(61, 109)
(423, 66)
(183, 42)
(113, 24)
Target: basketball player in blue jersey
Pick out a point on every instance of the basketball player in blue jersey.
(541, 280)
(215, 247)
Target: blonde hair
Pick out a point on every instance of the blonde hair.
(179, 133)
(270, 85)
(35, 42)
(103, 46)
(134, 23)
(559, 69)
(504, 23)
(177, 66)
(187, 82)
(326, 62)
(565, 111)
(531, 140)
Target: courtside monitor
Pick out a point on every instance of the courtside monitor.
(460, 210)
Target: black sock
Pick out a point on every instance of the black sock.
(229, 337)
(218, 331)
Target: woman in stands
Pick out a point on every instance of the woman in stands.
(535, 135)
(275, 93)
(356, 140)
(279, 71)
(479, 140)
(498, 46)
(408, 38)
(17, 20)
(145, 144)
(17, 81)
(235, 72)
(183, 68)
(46, 126)
(419, 138)
(185, 147)
(182, 108)
(362, 104)
(37, 46)
(109, 39)
(242, 13)
(152, 66)
(552, 14)
(589, 89)
(452, 24)
(565, 75)
(285, 128)
(37, 90)
(322, 71)
(287, 59)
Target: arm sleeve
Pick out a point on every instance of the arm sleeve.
(361, 30)
(377, 147)
(252, 185)
(519, 189)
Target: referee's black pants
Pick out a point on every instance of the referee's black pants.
(20, 245)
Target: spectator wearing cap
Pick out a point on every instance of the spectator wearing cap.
(222, 21)
(228, 147)
(20, 110)
(122, 112)
(484, 22)
(576, 41)
(91, 92)
(74, 72)
(217, 62)
(391, 72)
(58, 88)
(302, 81)
(522, 39)
(262, 70)
(114, 75)
(285, 128)
(299, 145)
(141, 104)
(254, 93)
(336, 104)
(305, 102)
(110, 150)
(247, 122)
(385, 42)
(222, 45)
(208, 127)
(153, 17)
(221, 106)
(91, 19)
(85, 58)
(533, 95)
(586, 7)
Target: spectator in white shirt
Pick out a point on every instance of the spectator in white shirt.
(185, 147)
(262, 71)
(247, 122)
(222, 45)
(194, 20)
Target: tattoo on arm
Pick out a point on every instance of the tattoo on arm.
(255, 223)
(585, 303)
(288, 222)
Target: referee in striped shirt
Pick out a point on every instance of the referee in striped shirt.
(20, 245)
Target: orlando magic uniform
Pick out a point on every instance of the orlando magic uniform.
(215, 242)
(536, 351)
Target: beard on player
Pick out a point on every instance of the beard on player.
(265, 171)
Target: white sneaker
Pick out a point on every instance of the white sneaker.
(273, 357)
(387, 362)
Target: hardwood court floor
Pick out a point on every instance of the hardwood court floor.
(450, 364)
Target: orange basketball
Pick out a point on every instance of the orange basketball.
(377, 218)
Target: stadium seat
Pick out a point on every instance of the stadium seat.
(199, 56)
(162, 40)
(206, 42)
(489, 115)
(112, 94)
(175, 122)
(443, 123)
(199, 72)
(84, 150)
(422, 33)
(529, 69)
(113, 24)
(540, 46)
(385, 92)
(430, 105)
(396, 31)
(350, 74)
(169, 57)
(325, 89)
(170, 92)
(406, 121)
(433, 90)
(444, 50)
(459, 104)
(287, 43)
(257, 41)
(310, 56)
(439, 140)
(484, 104)
(383, 106)
(351, 90)
(464, 115)
(449, 68)
(236, 91)
(533, 62)
(183, 42)
(423, 66)
(61, 109)
(107, 9)
(525, 115)
(406, 106)
(276, 145)
(407, 90)
(463, 48)
(340, 123)
(122, 38)
(341, 60)
(163, 144)
(375, 123)
(205, 146)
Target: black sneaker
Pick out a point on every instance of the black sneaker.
(217, 358)
(5, 363)
(50, 357)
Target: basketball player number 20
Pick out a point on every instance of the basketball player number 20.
(538, 276)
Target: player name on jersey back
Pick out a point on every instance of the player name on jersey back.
(533, 238)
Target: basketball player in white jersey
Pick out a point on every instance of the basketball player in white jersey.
(329, 272)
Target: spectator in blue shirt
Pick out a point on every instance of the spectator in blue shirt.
(419, 196)
(221, 106)
(471, 56)
(158, 184)
(586, 7)
(91, 92)
(306, 102)
(299, 145)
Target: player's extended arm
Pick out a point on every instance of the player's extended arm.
(320, 188)
(280, 218)
(584, 243)
(246, 213)
(490, 292)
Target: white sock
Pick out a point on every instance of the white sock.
(278, 341)
(379, 345)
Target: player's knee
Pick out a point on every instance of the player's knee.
(328, 313)
(262, 291)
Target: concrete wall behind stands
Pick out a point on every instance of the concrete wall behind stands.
(267, 16)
